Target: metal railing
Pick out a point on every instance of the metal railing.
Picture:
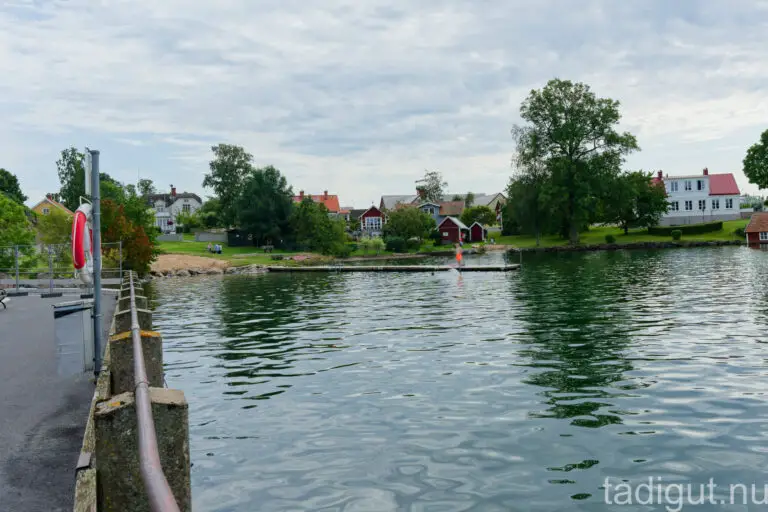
(160, 496)
(40, 265)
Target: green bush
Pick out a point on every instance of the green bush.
(396, 244)
(413, 244)
(676, 234)
(610, 239)
(353, 247)
(692, 229)
(277, 257)
(739, 232)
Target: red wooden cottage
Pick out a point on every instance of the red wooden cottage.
(372, 221)
(757, 229)
(477, 232)
(452, 230)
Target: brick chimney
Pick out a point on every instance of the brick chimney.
(660, 174)
(706, 172)
(325, 194)
(173, 191)
(301, 195)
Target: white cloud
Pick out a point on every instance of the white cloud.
(361, 97)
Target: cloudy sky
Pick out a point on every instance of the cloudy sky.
(360, 96)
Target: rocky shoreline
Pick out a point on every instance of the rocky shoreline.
(630, 246)
(213, 271)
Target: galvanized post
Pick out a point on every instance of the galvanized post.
(121, 261)
(96, 225)
(16, 252)
(50, 270)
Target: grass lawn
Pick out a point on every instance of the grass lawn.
(596, 235)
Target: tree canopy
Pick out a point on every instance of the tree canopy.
(756, 162)
(230, 167)
(314, 230)
(9, 185)
(71, 169)
(15, 229)
(634, 201)
(264, 205)
(55, 228)
(431, 187)
(572, 134)
(146, 187)
(407, 223)
(482, 214)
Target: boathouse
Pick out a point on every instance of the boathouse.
(477, 232)
(452, 230)
(757, 229)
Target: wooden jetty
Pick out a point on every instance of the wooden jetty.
(394, 268)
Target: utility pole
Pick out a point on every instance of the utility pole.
(96, 224)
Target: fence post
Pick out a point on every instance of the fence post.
(121, 260)
(50, 270)
(16, 253)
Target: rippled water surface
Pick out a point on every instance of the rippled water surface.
(518, 391)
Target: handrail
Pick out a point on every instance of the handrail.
(161, 497)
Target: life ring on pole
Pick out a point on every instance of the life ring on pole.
(82, 243)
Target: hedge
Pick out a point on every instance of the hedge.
(691, 229)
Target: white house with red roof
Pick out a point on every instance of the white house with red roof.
(700, 198)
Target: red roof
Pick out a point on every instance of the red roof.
(330, 201)
(722, 185)
(757, 223)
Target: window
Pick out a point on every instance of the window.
(688, 206)
(764, 236)
(372, 223)
(674, 206)
(687, 185)
(702, 204)
(186, 208)
(673, 186)
(445, 233)
(46, 211)
(729, 203)
(699, 184)
(715, 204)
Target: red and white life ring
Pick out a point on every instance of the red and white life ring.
(82, 243)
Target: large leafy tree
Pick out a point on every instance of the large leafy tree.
(9, 185)
(210, 213)
(314, 230)
(482, 214)
(15, 229)
(756, 162)
(264, 206)
(146, 187)
(55, 228)
(71, 169)
(634, 201)
(138, 248)
(573, 133)
(230, 167)
(431, 187)
(408, 223)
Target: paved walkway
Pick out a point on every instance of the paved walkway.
(42, 416)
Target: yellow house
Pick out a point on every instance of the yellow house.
(47, 205)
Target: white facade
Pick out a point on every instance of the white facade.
(168, 207)
(690, 201)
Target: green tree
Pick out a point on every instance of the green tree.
(469, 199)
(71, 171)
(110, 188)
(408, 223)
(573, 132)
(264, 207)
(188, 221)
(634, 201)
(482, 214)
(138, 248)
(15, 229)
(431, 187)
(230, 168)
(210, 213)
(146, 187)
(9, 185)
(314, 230)
(55, 228)
(756, 162)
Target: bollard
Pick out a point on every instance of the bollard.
(121, 360)
(117, 450)
(123, 320)
(125, 302)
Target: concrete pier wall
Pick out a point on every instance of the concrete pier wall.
(109, 477)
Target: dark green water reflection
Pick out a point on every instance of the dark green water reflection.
(518, 391)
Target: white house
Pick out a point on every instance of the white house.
(168, 206)
(700, 198)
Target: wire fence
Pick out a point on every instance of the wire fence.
(42, 265)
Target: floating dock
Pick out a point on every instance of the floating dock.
(394, 268)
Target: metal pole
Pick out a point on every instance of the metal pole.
(96, 224)
(121, 261)
(50, 270)
(16, 251)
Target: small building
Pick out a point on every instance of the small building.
(452, 230)
(757, 229)
(330, 201)
(167, 206)
(49, 204)
(477, 232)
(238, 238)
(699, 198)
(372, 222)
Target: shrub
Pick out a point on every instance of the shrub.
(610, 239)
(413, 244)
(377, 244)
(676, 234)
(692, 229)
(353, 247)
(739, 232)
(277, 257)
(396, 244)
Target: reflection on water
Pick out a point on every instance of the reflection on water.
(519, 391)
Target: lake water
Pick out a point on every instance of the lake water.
(442, 392)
